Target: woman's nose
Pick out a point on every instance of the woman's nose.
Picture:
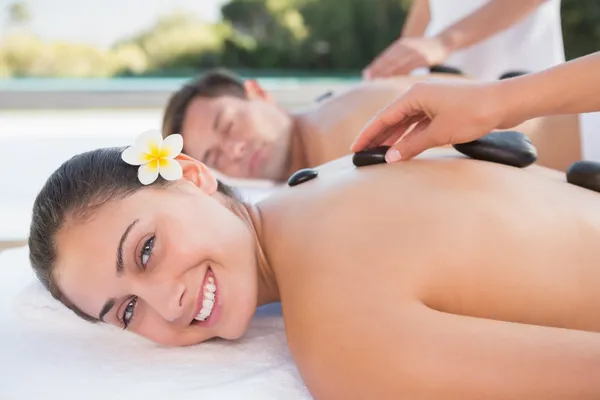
(166, 297)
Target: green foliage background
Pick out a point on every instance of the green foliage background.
(267, 37)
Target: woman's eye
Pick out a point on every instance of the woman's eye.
(128, 313)
(146, 251)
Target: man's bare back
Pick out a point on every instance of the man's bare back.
(403, 271)
(332, 125)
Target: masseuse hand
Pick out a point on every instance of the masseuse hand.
(406, 54)
(441, 113)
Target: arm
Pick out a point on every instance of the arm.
(459, 112)
(427, 354)
(338, 119)
(568, 88)
(409, 52)
(492, 18)
(417, 20)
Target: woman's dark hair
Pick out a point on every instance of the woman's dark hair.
(73, 192)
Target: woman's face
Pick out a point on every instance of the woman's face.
(171, 264)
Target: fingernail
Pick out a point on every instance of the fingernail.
(392, 156)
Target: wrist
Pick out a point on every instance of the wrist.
(448, 40)
(510, 104)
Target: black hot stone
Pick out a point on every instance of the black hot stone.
(324, 96)
(512, 74)
(444, 69)
(585, 174)
(301, 176)
(376, 155)
(505, 147)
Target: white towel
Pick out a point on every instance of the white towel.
(47, 352)
(590, 139)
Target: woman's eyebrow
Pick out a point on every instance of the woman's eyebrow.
(120, 270)
(106, 308)
(119, 264)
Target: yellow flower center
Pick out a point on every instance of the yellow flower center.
(156, 155)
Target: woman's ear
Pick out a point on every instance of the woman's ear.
(197, 173)
(256, 92)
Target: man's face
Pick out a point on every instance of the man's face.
(241, 138)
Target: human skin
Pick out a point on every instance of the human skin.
(459, 112)
(258, 139)
(412, 50)
(331, 126)
(417, 19)
(445, 277)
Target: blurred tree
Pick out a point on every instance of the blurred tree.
(322, 34)
(20, 52)
(581, 27)
(180, 41)
(18, 13)
(264, 19)
(27, 55)
(347, 34)
(250, 17)
(267, 33)
(5, 68)
(129, 59)
(293, 35)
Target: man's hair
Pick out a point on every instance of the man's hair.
(215, 83)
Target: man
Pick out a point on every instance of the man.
(235, 127)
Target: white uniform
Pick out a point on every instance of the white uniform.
(533, 44)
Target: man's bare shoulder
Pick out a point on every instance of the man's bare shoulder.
(364, 99)
(332, 125)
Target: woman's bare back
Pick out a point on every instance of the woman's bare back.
(365, 247)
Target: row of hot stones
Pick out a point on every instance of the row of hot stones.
(503, 147)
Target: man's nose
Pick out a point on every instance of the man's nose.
(235, 149)
(165, 296)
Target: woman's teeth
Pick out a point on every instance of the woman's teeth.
(208, 301)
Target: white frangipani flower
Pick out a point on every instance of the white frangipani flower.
(155, 156)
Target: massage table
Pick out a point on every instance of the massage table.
(49, 353)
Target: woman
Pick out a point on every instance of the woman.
(487, 39)
(468, 280)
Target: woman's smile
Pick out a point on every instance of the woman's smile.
(208, 305)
